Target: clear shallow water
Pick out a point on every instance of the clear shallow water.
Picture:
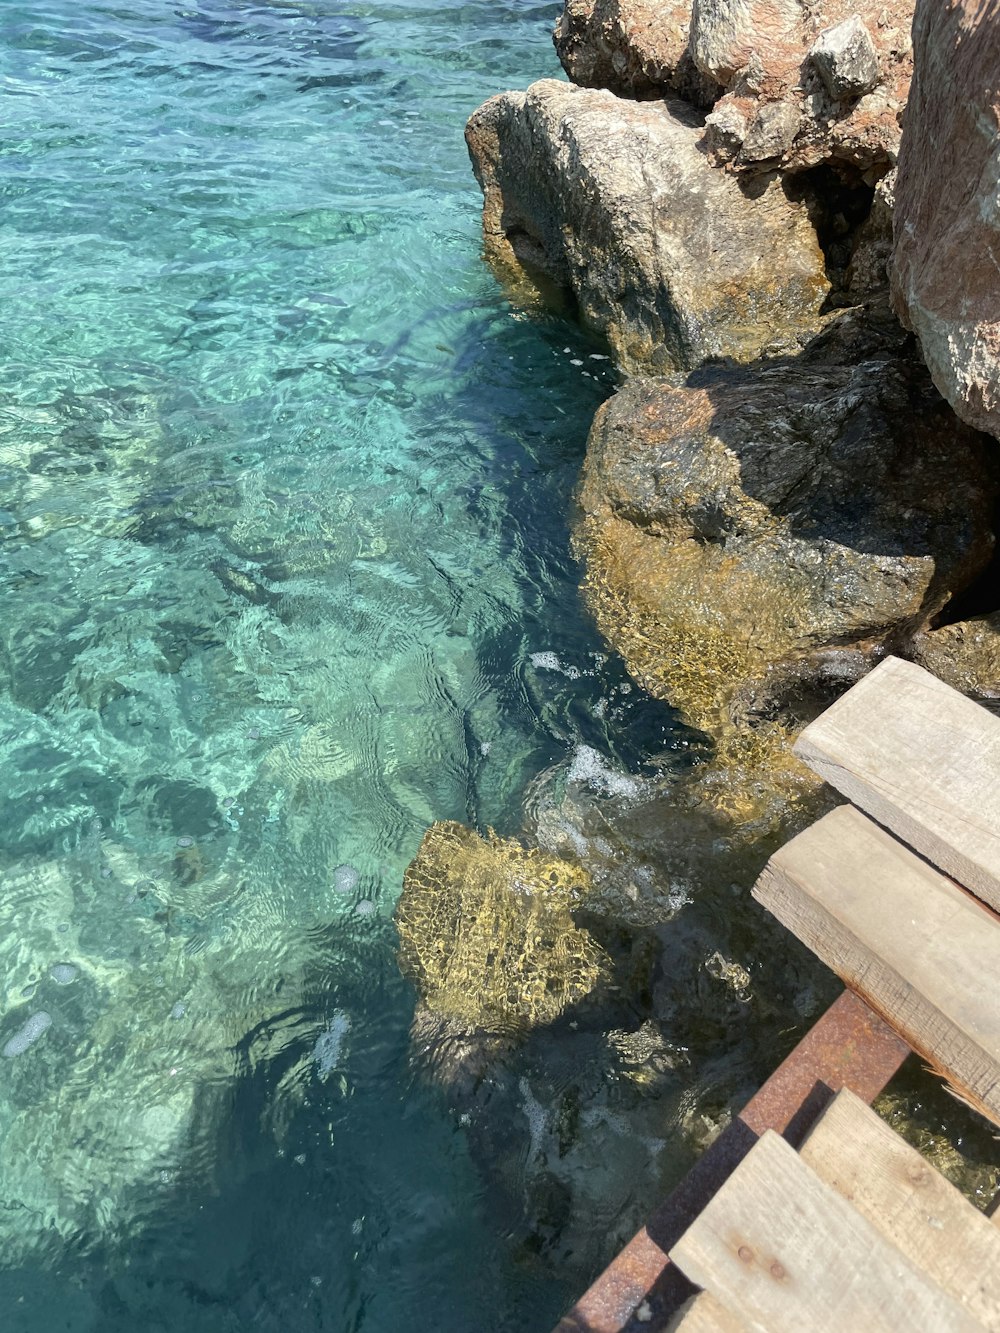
(283, 497)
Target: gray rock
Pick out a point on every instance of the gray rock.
(945, 269)
(667, 257)
(772, 131)
(27, 1034)
(846, 60)
(725, 130)
(725, 32)
(868, 271)
(759, 51)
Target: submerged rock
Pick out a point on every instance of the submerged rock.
(632, 47)
(27, 1034)
(668, 258)
(487, 934)
(328, 1052)
(742, 532)
(947, 224)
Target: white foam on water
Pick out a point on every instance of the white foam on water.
(549, 661)
(591, 768)
(329, 1047)
(545, 661)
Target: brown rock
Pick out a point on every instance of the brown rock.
(632, 47)
(671, 260)
(946, 257)
(808, 86)
(740, 530)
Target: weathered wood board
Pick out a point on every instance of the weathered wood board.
(788, 1254)
(924, 761)
(921, 952)
(704, 1314)
(913, 1206)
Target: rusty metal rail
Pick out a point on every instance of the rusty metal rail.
(849, 1047)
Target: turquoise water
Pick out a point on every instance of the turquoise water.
(284, 485)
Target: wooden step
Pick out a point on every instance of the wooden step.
(786, 1253)
(920, 951)
(910, 1203)
(922, 760)
(704, 1314)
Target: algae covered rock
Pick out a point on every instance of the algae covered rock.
(743, 528)
(667, 257)
(965, 655)
(487, 934)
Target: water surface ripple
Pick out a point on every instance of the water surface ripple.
(283, 485)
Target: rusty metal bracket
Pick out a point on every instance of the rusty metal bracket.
(849, 1047)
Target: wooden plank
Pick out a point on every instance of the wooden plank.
(921, 952)
(909, 1203)
(924, 761)
(704, 1314)
(787, 1253)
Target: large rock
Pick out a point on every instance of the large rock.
(633, 47)
(748, 528)
(946, 260)
(802, 85)
(673, 261)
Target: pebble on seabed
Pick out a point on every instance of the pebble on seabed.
(345, 879)
(63, 973)
(27, 1034)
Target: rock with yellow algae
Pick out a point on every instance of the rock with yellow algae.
(487, 933)
(746, 528)
(965, 655)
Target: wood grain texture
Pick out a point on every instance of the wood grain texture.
(916, 948)
(910, 1203)
(924, 761)
(788, 1254)
(704, 1314)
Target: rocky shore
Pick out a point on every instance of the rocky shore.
(778, 493)
(781, 218)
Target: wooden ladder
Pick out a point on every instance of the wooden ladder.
(898, 893)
